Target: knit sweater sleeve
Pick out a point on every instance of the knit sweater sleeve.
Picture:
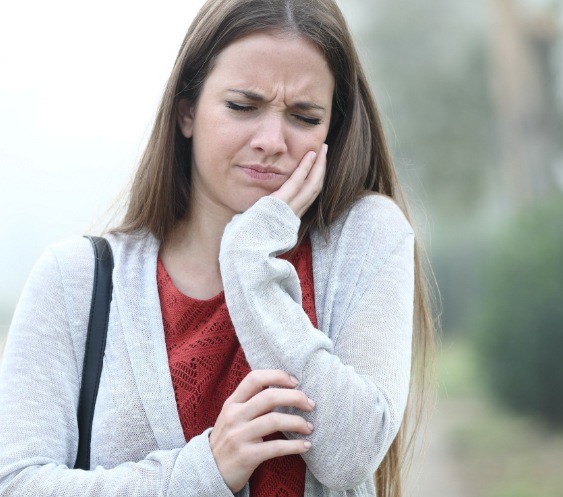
(39, 384)
(360, 381)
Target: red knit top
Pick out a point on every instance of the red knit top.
(207, 363)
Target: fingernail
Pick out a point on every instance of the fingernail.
(326, 148)
(311, 402)
(313, 156)
(307, 444)
(294, 380)
(311, 426)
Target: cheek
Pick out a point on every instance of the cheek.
(216, 137)
(306, 142)
(227, 134)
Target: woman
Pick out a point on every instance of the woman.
(266, 189)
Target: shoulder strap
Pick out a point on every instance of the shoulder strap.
(95, 346)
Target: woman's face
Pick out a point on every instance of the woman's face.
(265, 103)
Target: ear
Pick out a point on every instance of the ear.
(186, 112)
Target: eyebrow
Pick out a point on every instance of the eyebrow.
(259, 98)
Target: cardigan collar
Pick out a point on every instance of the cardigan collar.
(136, 294)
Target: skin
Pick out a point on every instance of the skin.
(258, 128)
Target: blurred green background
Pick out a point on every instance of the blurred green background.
(471, 93)
(472, 97)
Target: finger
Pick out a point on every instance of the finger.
(278, 448)
(313, 184)
(311, 187)
(277, 421)
(256, 381)
(317, 173)
(267, 400)
(303, 169)
(294, 183)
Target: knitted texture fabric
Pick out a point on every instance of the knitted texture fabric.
(207, 363)
(355, 365)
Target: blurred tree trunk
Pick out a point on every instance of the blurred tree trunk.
(524, 97)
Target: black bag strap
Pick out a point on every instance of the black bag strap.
(95, 346)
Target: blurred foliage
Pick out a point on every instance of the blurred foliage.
(428, 67)
(499, 453)
(520, 323)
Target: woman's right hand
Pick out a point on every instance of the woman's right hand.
(305, 183)
(246, 417)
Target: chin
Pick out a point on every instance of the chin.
(250, 201)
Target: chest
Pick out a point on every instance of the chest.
(205, 357)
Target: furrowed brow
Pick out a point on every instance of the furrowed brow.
(256, 97)
(308, 106)
(249, 94)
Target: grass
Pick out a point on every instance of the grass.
(501, 453)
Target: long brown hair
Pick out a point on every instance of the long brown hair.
(358, 162)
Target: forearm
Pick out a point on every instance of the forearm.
(180, 472)
(360, 393)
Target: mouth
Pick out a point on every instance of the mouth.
(262, 173)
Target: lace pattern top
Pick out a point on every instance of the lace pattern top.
(207, 363)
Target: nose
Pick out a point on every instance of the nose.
(269, 137)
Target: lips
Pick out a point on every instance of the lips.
(261, 169)
(262, 173)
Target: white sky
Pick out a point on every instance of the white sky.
(79, 86)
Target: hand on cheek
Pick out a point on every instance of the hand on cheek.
(306, 182)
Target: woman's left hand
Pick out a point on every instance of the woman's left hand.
(305, 183)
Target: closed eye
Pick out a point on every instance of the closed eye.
(312, 121)
(240, 108)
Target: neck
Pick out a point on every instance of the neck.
(198, 236)
(191, 253)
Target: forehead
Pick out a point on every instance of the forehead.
(272, 62)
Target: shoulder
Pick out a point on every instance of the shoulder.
(361, 240)
(374, 222)
(73, 257)
(72, 254)
(56, 296)
(380, 213)
(348, 261)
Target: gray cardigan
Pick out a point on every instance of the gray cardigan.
(356, 366)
